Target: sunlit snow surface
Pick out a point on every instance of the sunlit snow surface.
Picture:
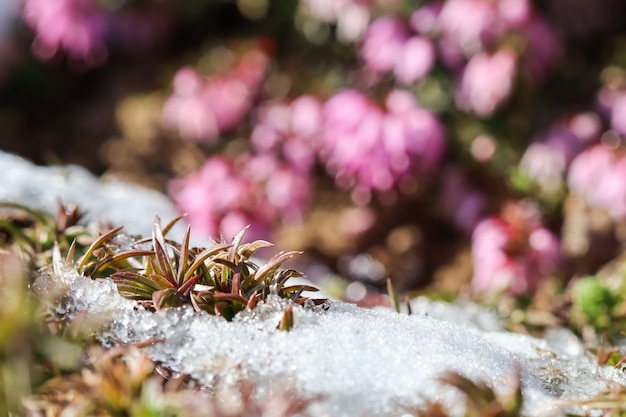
(117, 202)
(357, 362)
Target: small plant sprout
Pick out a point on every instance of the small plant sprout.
(33, 233)
(221, 280)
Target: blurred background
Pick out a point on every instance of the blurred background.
(465, 145)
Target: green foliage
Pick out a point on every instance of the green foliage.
(596, 301)
(33, 233)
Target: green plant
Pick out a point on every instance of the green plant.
(596, 301)
(221, 280)
(33, 233)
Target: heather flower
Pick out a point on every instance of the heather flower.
(513, 252)
(76, 27)
(486, 82)
(547, 158)
(290, 129)
(598, 175)
(225, 195)
(200, 108)
(368, 148)
(382, 43)
(387, 46)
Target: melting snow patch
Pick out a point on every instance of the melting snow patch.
(358, 362)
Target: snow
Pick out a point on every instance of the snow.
(354, 361)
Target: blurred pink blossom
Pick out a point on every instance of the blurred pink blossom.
(599, 176)
(513, 252)
(487, 82)
(546, 160)
(388, 46)
(201, 108)
(77, 27)
(382, 43)
(474, 24)
(291, 129)
(225, 195)
(368, 148)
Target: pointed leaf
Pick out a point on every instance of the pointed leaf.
(203, 256)
(247, 250)
(274, 263)
(165, 298)
(253, 301)
(229, 297)
(160, 250)
(69, 258)
(184, 255)
(95, 245)
(286, 323)
(171, 224)
(130, 253)
(185, 289)
(235, 244)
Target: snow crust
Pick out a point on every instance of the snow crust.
(358, 362)
(114, 201)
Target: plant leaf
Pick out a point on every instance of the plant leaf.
(96, 244)
(184, 255)
(203, 256)
(171, 224)
(160, 250)
(235, 244)
(247, 250)
(165, 298)
(274, 263)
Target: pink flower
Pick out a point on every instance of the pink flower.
(474, 24)
(546, 160)
(383, 42)
(290, 129)
(367, 148)
(414, 60)
(513, 252)
(388, 46)
(200, 108)
(225, 195)
(77, 27)
(599, 176)
(486, 82)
